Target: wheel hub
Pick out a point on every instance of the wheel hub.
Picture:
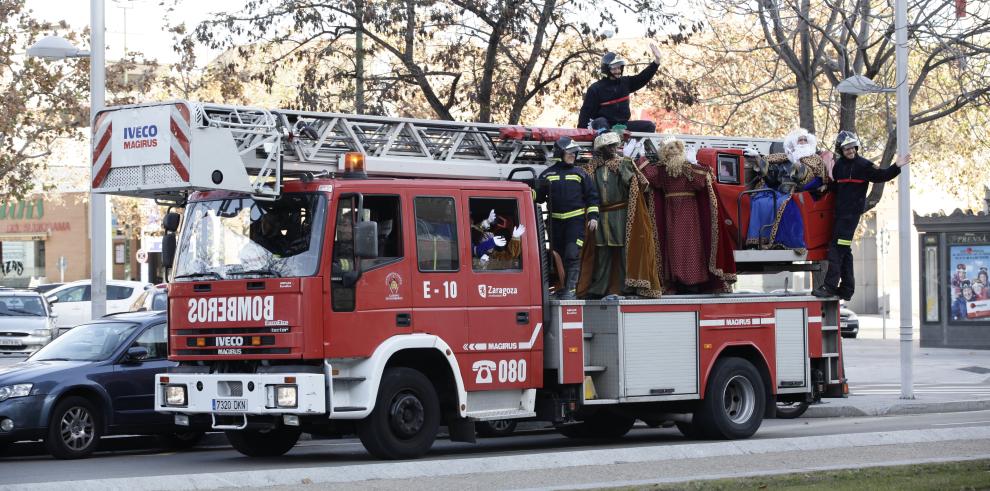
(406, 415)
(739, 399)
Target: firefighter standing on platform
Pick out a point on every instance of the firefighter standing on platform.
(608, 99)
(572, 199)
(852, 175)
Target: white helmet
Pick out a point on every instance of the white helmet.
(606, 139)
(845, 139)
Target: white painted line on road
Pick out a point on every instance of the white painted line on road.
(963, 423)
(511, 463)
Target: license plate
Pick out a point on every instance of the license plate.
(10, 342)
(230, 405)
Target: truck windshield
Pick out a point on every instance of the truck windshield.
(241, 238)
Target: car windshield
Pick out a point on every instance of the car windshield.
(87, 342)
(240, 237)
(21, 306)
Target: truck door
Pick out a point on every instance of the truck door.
(438, 289)
(379, 304)
(504, 322)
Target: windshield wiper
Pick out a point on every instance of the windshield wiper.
(209, 274)
(266, 272)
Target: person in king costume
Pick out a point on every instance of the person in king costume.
(620, 256)
(695, 248)
(774, 220)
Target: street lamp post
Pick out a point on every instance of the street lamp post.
(857, 84)
(54, 48)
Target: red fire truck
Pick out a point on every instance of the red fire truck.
(323, 282)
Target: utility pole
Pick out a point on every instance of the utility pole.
(99, 219)
(904, 198)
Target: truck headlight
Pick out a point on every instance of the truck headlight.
(16, 390)
(175, 395)
(285, 396)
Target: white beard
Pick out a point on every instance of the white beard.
(800, 151)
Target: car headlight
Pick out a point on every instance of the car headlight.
(175, 395)
(16, 390)
(42, 332)
(285, 396)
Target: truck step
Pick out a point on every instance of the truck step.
(349, 379)
(593, 369)
(494, 414)
(348, 409)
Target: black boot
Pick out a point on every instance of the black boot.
(573, 270)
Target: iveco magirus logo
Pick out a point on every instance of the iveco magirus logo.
(232, 309)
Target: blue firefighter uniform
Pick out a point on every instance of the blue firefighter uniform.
(572, 197)
(852, 178)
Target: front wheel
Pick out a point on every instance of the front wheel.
(264, 443)
(734, 402)
(404, 422)
(73, 429)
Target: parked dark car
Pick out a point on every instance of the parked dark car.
(848, 322)
(95, 380)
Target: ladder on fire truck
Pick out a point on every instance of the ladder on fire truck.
(254, 149)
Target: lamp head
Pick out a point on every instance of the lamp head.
(55, 48)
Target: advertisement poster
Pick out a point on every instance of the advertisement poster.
(968, 282)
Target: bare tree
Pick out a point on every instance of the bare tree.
(485, 60)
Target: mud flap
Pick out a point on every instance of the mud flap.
(461, 430)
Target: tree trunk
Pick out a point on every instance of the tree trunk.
(806, 104)
(847, 112)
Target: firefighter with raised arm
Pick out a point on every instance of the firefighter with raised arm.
(852, 176)
(572, 199)
(608, 98)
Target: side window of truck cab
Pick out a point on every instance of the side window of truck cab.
(385, 210)
(496, 234)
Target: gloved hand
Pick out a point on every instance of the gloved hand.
(518, 231)
(483, 259)
(499, 241)
(486, 223)
(592, 225)
(749, 152)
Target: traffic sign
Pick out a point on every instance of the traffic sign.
(142, 256)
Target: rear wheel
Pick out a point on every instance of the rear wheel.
(497, 428)
(264, 443)
(404, 422)
(602, 424)
(73, 429)
(734, 401)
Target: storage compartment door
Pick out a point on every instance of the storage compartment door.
(660, 353)
(792, 349)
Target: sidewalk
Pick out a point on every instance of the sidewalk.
(873, 370)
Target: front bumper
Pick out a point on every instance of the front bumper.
(27, 415)
(849, 327)
(242, 393)
(25, 345)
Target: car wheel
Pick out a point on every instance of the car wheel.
(264, 443)
(497, 428)
(791, 410)
(734, 401)
(404, 422)
(73, 429)
(180, 440)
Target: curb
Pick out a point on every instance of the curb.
(900, 408)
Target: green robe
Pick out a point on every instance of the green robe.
(613, 188)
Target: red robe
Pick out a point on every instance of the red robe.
(695, 246)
